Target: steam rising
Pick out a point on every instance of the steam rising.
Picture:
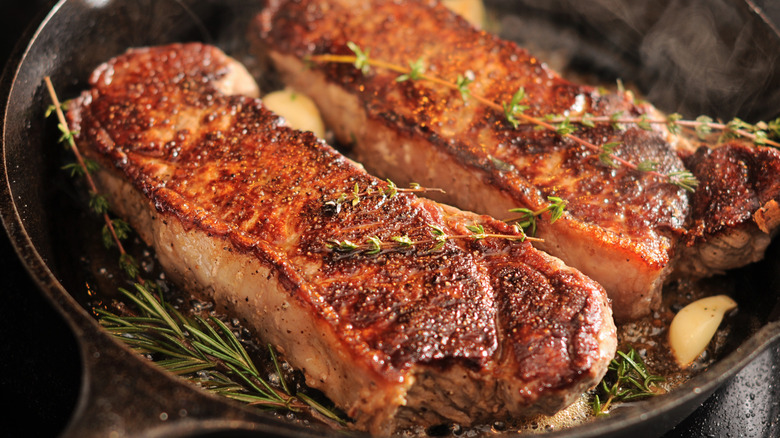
(716, 57)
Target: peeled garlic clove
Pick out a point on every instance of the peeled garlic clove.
(472, 10)
(298, 110)
(694, 326)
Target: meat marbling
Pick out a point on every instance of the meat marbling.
(629, 230)
(238, 206)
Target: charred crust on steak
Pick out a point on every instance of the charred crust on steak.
(737, 180)
(627, 229)
(622, 211)
(734, 211)
(236, 204)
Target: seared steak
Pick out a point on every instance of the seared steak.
(734, 212)
(622, 227)
(256, 215)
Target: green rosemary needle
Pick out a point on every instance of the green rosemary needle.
(204, 352)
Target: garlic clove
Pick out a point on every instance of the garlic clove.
(694, 326)
(298, 110)
(472, 10)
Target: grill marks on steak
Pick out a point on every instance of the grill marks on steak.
(622, 227)
(235, 205)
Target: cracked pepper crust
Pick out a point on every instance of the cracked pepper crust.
(626, 229)
(617, 220)
(235, 205)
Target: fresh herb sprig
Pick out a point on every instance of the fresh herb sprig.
(389, 190)
(207, 353)
(373, 245)
(527, 219)
(115, 230)
(627, 379)
(515, 113)
(761, 133)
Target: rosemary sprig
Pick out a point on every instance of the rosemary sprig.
(627, 379)
(204, 352)
(114, 230)
(528, 217)
(513, 112)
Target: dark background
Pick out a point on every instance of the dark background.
(40, 365)
(40, 371)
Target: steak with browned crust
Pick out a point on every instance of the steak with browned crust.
(625, 228)
(247, 211)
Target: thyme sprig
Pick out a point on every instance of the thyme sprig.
(627, 379)
(528, 217)
(205, 352)
(514, 112)
(374, 245)
(761, 133)
(114, 230)
(390, 189)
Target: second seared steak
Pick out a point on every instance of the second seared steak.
(627, 229)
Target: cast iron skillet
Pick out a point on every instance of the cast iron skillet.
(44, 218)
